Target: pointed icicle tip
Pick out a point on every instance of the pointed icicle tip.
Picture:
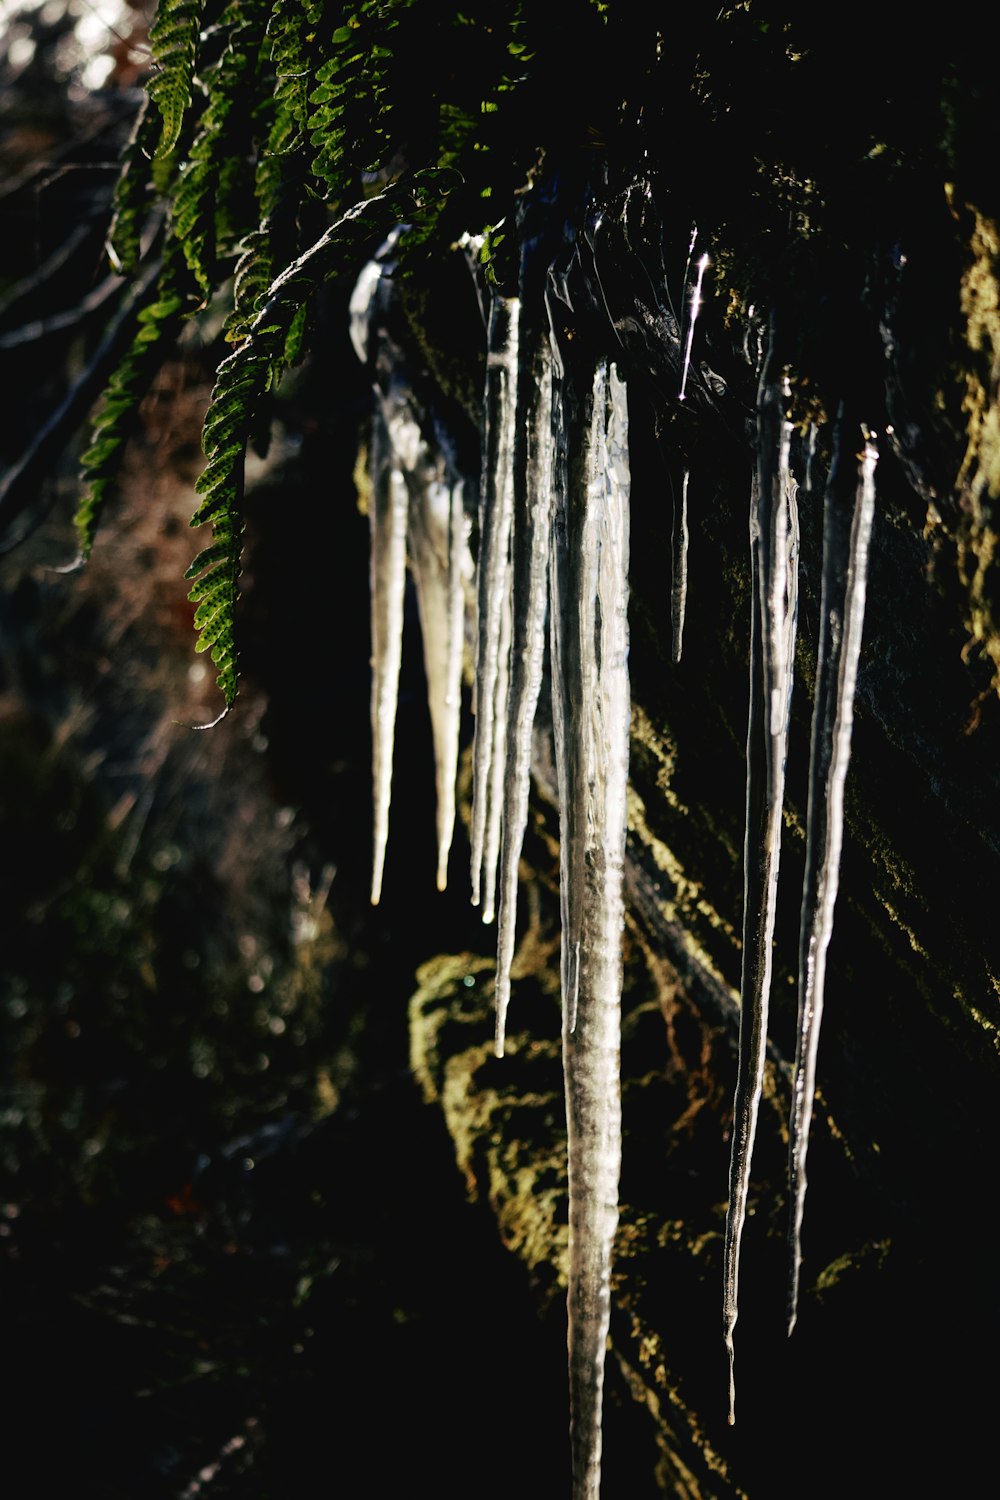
(377, 873)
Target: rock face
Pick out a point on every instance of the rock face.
(889, 313)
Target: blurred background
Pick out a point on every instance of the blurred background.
(233, 1242)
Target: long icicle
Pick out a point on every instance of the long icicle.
(388, 520)
(590, 676)
(494, 573)
(679, 537)
(774, 560)
(460, 570)
(533, 457)
(559, 645)
(848, 509)
(435, 552)
(497, 778)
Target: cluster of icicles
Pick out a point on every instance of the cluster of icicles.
(551, 580)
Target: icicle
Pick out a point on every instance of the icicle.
(590, 682)
(782, 602)
(559, 612)
(460, 572)
(533, 458)
(811, 439)
(678, 570)
(494, 581)
(695, 309)
(848, 509)
(498, 757)
(774, 561)
(399, 467)
(388, 583)
(437, 542)
(360, 308)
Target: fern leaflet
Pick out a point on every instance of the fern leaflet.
(174, 42)
(158, 323)
(206, 201)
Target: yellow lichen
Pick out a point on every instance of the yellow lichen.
(688, 897)
(978, 479)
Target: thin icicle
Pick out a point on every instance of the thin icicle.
(497, 777)
(781, 602)
(436, 564)
(774, 563)
(559, 614)
(810, 445)
(494, 572)
(848, 508)
(459, 572)
(678, 570)
(533, 458)
(388, 518)
(387, 563)
(695, 309)
(590, 677)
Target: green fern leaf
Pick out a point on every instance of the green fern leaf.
(173, 39)
(242, 380)
(351, 113)
(132, 197)
(156, 326)
(214, 185)
(295, 342)
(206, 558)
(251, 283)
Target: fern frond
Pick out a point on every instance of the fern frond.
(296, 339)
(242, 380)
(251, 283)
(292, 32)
(132, 197)
(283, 184)
(157, 324)
(292, 105)
(214, 185)
(351, 103)
(173, 39)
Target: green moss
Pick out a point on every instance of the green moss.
(505, 1116)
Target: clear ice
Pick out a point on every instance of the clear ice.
(589, 632)
(494, 604)
(532, 498)
(417, 511)
(438, 548)
(388, 521)
(553, 552)
(848, 509)
(774, 565)
(679, 537)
